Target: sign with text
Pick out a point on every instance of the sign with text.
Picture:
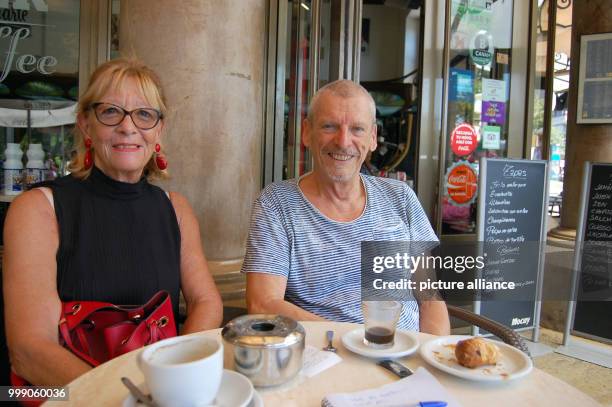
(491, 137)
(493, 112)
(511, 221)
(461, 183)
(463, 139)
(461, 85)
(593, 312)
(39, 40)
(493, 90)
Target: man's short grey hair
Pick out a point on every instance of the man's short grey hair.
(344, 89)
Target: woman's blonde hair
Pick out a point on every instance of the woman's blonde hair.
(112, 75)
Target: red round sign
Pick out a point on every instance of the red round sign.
(463, 139)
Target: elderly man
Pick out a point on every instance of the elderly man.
(303, 250)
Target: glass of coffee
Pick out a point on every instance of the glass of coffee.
(380, 319)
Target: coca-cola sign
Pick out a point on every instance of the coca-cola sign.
(461, 183)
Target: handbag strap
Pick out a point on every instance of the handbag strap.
(65, 336)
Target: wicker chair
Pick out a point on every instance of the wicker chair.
(504, 333)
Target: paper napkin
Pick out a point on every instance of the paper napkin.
(407, 392)
(316, 361)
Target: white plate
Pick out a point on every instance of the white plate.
(235, 391)
(405, 343)
(511, 364)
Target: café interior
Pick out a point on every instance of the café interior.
(509, 75)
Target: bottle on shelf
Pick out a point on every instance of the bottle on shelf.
(36, 164)
(13, 169)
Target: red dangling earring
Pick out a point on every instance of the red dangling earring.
(88, 160)
(160, 160)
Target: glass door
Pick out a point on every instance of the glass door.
(38, 90)
(310, 44)
(297, 57)
(390, 69)
(477, 104)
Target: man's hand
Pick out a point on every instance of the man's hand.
(433, 317)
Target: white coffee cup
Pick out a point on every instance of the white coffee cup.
(183, 371)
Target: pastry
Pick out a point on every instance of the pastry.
(476, 352)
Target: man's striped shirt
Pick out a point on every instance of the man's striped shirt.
(320, 257)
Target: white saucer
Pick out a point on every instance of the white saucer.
(405, 343)
(235, 391)
(256, 401)
(511, 363)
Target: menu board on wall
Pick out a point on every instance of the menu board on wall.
(40, 53)
(593, 312)
(595, 79)
(511, 221)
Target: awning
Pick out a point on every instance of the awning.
(38, 118)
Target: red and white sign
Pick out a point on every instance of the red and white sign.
(461, 183)
(463, 139)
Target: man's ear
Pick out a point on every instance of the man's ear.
(374, 142)
(83, 125)
(306, 132)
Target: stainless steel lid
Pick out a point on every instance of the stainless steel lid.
(263, 331)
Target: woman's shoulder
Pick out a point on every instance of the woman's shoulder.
(181, 205)
(33, 203)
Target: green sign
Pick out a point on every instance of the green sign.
(481, 49)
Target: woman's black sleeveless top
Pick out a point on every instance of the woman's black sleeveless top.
(118, 242)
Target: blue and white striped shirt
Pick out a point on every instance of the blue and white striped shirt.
(320, 257)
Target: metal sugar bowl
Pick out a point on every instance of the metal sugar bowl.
(267, 349)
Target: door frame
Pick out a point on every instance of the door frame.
(344, 56)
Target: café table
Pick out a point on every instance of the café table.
(102, 386)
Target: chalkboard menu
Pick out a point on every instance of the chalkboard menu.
(511, 221)
(595, 79)
(593, 313)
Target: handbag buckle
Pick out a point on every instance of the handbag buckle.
(76, 308)
(163, 321)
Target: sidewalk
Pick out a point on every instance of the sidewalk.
(587, 377)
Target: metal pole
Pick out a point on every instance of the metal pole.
(571, 304)
(444, 124)
(356, 51)
(313, 52)
(480, 223)
(535, 336)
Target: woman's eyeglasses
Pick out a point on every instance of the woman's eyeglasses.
(111, 115)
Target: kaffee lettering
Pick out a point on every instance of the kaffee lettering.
(26, 63)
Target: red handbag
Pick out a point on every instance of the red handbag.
(99, 331)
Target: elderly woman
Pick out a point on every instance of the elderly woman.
(103, 232)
